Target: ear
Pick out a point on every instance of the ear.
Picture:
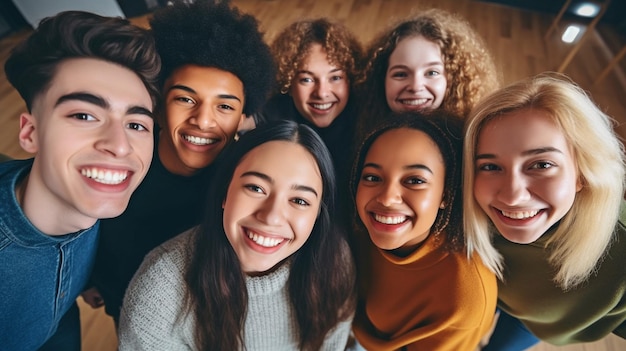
(442, 205)
(28, 133)
(579, 183)
(246, 123)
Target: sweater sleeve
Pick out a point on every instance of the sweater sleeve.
(151, 317)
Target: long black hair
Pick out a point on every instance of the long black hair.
(321, 279)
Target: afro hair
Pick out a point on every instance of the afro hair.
(211, 33)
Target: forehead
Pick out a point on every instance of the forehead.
(283, 161)
(404, 146)
(316, 58)
(120, 86)
(416, 49)
(203, 78)
(521, 130)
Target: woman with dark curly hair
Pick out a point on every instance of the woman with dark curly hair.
(429, 61)
(267, 269)
(216, 70)
(318, 64)
(418, 289)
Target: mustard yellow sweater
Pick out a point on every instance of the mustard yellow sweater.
(431, 300)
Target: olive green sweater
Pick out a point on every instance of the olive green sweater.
(585, 313)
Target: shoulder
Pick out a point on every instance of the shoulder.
(11, 167)
(174, 252)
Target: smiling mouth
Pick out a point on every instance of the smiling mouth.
(414, 102)
(199, 141)
(389, 219)
(322, 106)
(263, 240)
(519, 214)
(105, 176)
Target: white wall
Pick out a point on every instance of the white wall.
(35, 10)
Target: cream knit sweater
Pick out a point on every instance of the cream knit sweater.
(153, 316)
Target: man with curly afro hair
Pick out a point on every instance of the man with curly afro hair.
(216, 70)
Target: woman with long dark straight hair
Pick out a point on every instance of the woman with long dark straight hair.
(266, 269)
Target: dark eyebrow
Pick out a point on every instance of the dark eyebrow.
(271, 181)
(100, 102)
(304, 188)
(191, 91)
(408, 167)
(85, 97)
(537, 151)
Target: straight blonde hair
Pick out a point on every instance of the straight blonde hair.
(586, 231)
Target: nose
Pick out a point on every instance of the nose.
(389, 195)
(204, 117)
(416, 83)
(513, 189)
(271, 212)
(322, 89)
(114, 140)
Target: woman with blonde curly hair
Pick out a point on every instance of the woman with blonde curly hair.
(543, 185)
(318, 64)
(429, 61)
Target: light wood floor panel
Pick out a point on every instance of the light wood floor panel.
(515, 38)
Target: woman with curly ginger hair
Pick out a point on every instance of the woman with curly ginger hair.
(429, 61)
(318, 63)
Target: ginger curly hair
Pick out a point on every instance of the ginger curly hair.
(291, 47)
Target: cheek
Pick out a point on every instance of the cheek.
(175, 117)
(440, 88)
(559, 193)
(303, 225)
(391, 89)
(342, 91)
(145, 149)
(361, 199)
(229, 125)
(482, 191)
(298, 94)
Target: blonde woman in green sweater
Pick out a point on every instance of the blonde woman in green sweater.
(544, 181)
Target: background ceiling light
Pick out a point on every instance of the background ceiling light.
(587, 9)
(570, 34)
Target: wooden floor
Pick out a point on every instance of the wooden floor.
(514, 36)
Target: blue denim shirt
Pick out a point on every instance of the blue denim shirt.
(40, 276)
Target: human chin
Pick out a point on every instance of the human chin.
(521, 231)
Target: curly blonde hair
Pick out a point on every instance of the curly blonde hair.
(469, 68)
(291, 48)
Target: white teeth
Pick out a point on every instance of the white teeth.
(199, 141)
(415, 102)
(389, 220)
(322, 106)
(264, 241)
(105, 177)
(520, 214)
